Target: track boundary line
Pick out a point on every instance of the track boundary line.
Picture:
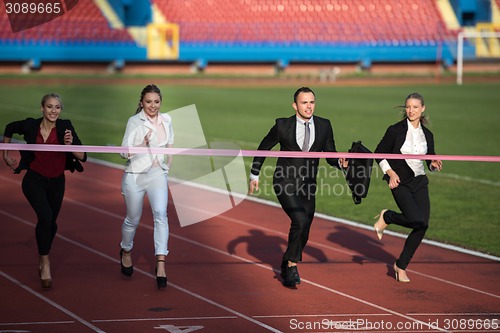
(356, 299)
(395, 313)
(38, 323)
(320, 215)
(458, 314)
(368, 258)
(356, 224)
(325, 315)
(163, 319)
(238, 314)
(173, 285)
(47, 300)
(467, 179)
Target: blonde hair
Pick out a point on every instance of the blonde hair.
(51, 95)
(424, 119)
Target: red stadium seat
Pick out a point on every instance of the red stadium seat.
(83, 22)
(305, 20)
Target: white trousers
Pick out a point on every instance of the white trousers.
(134, 187)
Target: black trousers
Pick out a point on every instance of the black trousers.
(297, 197)
(413, 200)
(45, 196)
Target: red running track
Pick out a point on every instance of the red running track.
(223, 273)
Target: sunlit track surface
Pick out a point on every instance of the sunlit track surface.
(223, 273)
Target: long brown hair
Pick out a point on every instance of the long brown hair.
(150, 88)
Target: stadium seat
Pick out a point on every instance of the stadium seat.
(84, 23)
(302, 20)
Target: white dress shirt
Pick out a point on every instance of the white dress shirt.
(415, 144)
(301, 132)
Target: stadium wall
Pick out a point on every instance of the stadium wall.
(203, 54)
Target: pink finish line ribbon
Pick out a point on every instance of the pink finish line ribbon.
(235, 152)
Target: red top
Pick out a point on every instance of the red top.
(49, 163)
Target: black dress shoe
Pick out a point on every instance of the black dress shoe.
(297, 276)
(284, 268)
(291, 276)
(127, 271)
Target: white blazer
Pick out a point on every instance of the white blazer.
(137, 127)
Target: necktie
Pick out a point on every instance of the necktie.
(307, 135)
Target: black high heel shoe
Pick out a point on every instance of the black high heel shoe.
(127, 271)
(161, 281)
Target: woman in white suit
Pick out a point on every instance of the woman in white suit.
(147, 173)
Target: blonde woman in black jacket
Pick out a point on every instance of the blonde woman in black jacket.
(407, 179)
(44, 182)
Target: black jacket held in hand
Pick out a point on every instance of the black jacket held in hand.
(29, 127)
(359, 172)
(393, 140)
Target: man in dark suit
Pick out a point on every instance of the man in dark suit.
(294, 180)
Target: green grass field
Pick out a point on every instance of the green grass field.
(464, 120)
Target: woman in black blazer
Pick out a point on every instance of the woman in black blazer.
(44, 183)
(407, 179)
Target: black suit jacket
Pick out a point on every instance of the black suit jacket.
(29, 127)
(393, 140)
(288, 169)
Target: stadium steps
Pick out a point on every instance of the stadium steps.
(140, 34)
(158, 16)
(109, 13)
(448, 14)
(495, 12)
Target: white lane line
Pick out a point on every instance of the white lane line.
(467, 179)
(459, 314)
(261, 265)
(105, 212)
(359, 300)
(38, 323)
(319, 215)
(356, 299)
(54, 304)
(161, 319)
(440, 174)
(307, 281)
(173, 285)
(351, 315)
(317, 244)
